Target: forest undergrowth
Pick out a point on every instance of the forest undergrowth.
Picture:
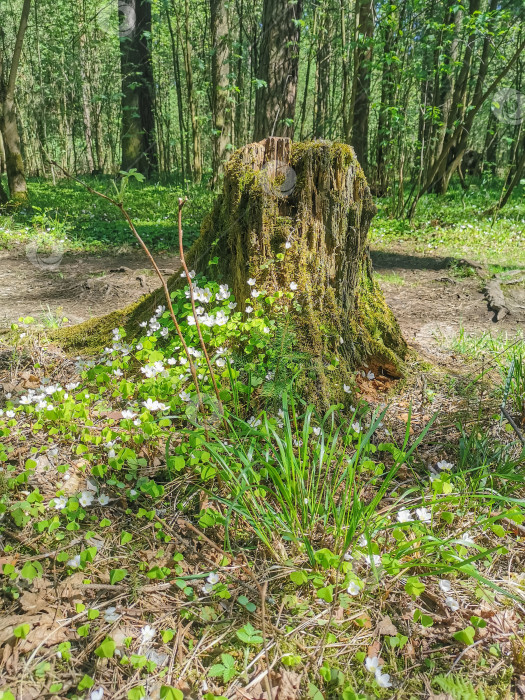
(165, 539)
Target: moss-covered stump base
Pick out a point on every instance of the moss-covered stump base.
(292, 216)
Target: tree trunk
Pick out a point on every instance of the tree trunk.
(138, 125)
(363, 72)
(323, 77)
(14, 163)
(178, 84)
(313, 195)
(389, 80)
(195, 126)
(86, 101)
(219, 87)
(278, 68)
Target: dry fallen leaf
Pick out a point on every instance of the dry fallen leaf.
(373, 649)
(385, 626)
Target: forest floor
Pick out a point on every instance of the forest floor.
(431, 296)
(114, 599)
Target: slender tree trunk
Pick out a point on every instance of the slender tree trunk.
(238, 127)
(323, 77)
(138, 124)
(86, 102)
(3, 195)
(278, 68)
(362, 75)
(8, 118)
(178, 87)
(219, 86)
(453, 21)
(195, 126)
(490, 147)
(388, 87)
(518, 173)
(346, 113)
(307, 78)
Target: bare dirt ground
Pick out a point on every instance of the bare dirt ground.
(432, 304)
(429, 301)
(81, 286)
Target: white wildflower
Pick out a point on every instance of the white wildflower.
(86, 498)
(353, 588)
(147, 633)
(60, 502)
(451, 603)
(372, 663)
(111, 615)
(376, 559)
(424, 515)
(383, 679)
(404, 516)
(466, 540)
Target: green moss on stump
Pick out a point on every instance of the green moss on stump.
(326, 216)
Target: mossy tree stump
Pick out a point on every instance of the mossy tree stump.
(296, 215)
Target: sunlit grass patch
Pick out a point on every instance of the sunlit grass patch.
(390, 278)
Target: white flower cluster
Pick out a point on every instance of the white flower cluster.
(152, 370)
(152, 405)
(210, 583)
(153, 324)
(200, 294)
(223, 293)
(220, 319)
(40, 398)
(423, 514)
(373, 665)
(450, 602)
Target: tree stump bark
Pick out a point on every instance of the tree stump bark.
(310, 204)
(296, 216)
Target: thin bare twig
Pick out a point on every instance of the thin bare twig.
(182, 202)
(513, 424)
(145, 248)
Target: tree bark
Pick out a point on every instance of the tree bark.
(219, 79)
(8, 119)
(195, 127)
(323, 77)
(314, 196)
(388, 88)
(138, 124)
(278, 68)
(86, 101)
(362, 76)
